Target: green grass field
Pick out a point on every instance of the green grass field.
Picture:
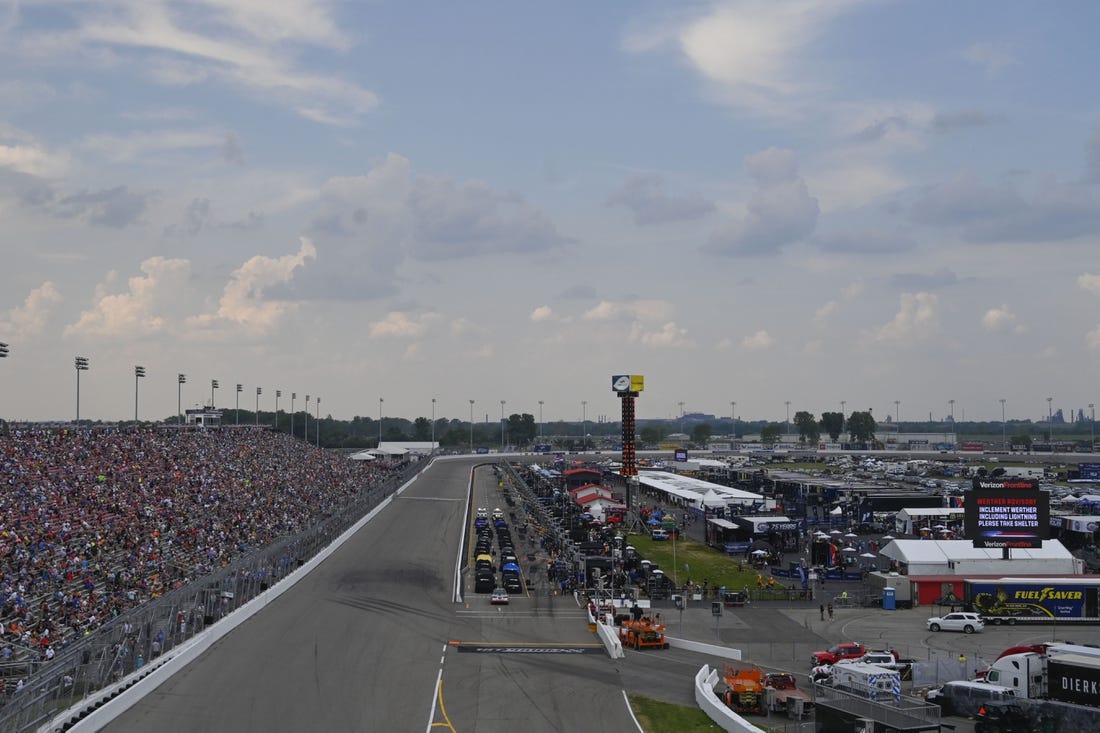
(662, 717)
(695, 561)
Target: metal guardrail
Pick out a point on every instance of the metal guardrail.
(905, 713)
(140, 636)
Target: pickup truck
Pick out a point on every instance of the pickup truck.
(888, 660)
(832, 655)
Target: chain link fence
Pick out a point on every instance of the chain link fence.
(137, 639)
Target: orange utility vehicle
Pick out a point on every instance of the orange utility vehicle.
(642, 634)
(744, 687)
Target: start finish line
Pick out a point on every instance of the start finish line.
(471, 647)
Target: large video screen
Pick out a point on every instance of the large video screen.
(1007, 513)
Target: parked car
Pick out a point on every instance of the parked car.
(499, 597)
(659, 534)
(968, 623)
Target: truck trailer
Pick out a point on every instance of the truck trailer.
(1063, 673)
(1035, 600)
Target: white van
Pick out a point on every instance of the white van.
(659, 534)
(962, 697)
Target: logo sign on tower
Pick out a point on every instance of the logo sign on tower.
(627, 383)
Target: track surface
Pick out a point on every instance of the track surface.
(362, 644)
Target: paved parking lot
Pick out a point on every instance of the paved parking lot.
(782, 638)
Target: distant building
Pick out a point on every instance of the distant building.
(205, 417)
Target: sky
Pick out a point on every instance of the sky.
(764, 206)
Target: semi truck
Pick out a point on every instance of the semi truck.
(1067, 673)
(1034, 600)
(1057, 688)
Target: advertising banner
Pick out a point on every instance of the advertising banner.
(1031, 600)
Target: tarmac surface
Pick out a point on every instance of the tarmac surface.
(374, 640)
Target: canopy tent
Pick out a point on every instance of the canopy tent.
(946, 557)
(712, 500)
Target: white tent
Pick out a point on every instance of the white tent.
(960, 557)
(712, 499)
(363, 455)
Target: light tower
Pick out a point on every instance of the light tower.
(213, 386)
(240, 388)
(180, 381)
(259, 391)
(471, 426)
(139, 373)
(1004, 427)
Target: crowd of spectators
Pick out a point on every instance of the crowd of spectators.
(96, 521)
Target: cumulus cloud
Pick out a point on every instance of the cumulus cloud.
(644, 196)
(780, 211)
(542, 313)
(370, 224)
(32, 158)
(1000, 319)
(453, 220)
(30, 318)
(401, 325)
(759, 341)
(242, 306)
(641, 310)
(1090, 282)
(824, 312)
(140, 311)
(669, 335)
(1092, 339)
(916, 320)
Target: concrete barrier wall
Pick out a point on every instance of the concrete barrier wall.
(712, 649)
(716, 710)
(116, 699)
(609, 635)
